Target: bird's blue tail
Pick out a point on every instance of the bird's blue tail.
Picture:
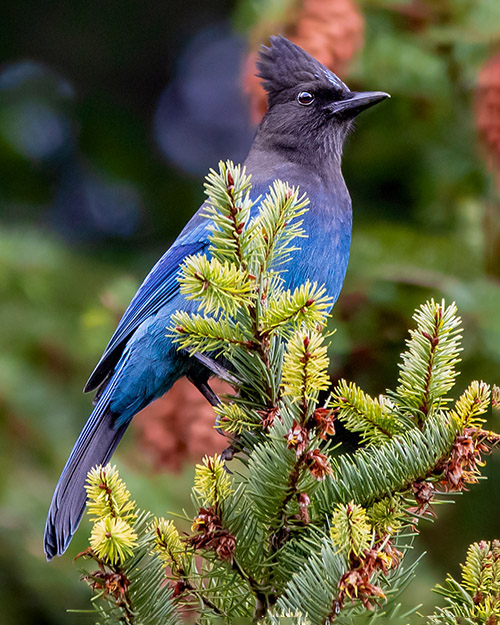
(94, 446)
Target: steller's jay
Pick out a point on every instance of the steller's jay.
(299, 141)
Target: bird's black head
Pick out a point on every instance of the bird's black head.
(310, 108)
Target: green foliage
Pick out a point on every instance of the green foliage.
(245, 254)
(236, 418)
(269, 469)
(307, 306)
(370, 474)
(328, 566)
(303, 526)
(386, 515)
(427, 373)
(277, 225)
(376, 419)
(481, 571)
(228, 209)
(305, 366)
(350, 530)
(197, 332)
(218, 285)
(129, 583)
(211, 481)
(168, 543)
(473, 403)
(113, 537)
(107, 495)
(427, 370)
(476, 598)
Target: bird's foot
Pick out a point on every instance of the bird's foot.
(228, 454)
(215, 367)
(202, 385)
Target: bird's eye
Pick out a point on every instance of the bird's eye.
(305, 98)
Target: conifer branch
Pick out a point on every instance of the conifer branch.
(236, 418)
(228, 211)
(476, 598)
(308, 306)
(350, 529)
(307, 528)
(277, 225)
(215, 284)
(107, 495)
(472, 404)
(211, 481)
(392, 467)
(211, 334)
(305, 367)
(427, 370)
(375, 419)
(168, 545)
(133, 591)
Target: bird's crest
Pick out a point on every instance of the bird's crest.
(284, 65)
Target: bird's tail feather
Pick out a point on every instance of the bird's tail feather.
(94, 446)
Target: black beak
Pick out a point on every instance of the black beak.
(357, 101)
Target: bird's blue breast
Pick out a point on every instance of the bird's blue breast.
(323, 256)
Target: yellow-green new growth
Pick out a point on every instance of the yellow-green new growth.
(350, 529)
(375, 419)
(477, 598)
(107, 495)
(277, 225)
(471, 405)
(216, 284)
(167, 543)
(308, 305)
(207, 334)
(386, 515)
(288, 617)
(113, 539)
(235, 418)
(481, 570)
(212, 483)
(427, 370)
(305, 366)
(228, 211)
(495, 397)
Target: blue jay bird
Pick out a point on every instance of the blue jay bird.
(299, 141)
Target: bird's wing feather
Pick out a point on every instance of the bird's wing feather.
(94, 447)
(158, 288)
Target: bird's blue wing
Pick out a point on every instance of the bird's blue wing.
(158, 288)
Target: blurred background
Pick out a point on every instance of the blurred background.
(110, 115)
